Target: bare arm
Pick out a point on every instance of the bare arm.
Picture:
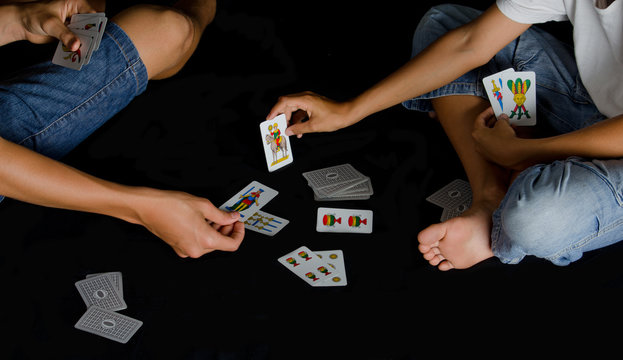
(500, 144)
(177, 218)
(455, 53)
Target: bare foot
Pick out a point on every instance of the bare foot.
(459, 242)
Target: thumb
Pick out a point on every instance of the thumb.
(219, 216)
(54, 27)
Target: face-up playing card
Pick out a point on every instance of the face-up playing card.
(344, 220)
(335, 259)
(309, 267)
(276, 144)
(73, 59)
(89, 24)
(514, 94)
(250, 199)
(265, 223)
(108, 324)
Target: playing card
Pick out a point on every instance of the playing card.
(520, 98)
(265, 223)
(494, 88)
(457, 194)
(115, 277)
(89, 25)
(332, 180)
(344, 220)
(73, 59)
(309, 267)
(335, 259)
(276, 144)
(100, 291)
(108, 324)
(250, 199)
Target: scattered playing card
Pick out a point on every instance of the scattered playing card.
(108, 324)
(276, 144)
(250, 199)
(454, 198)
(309, 267)
(335, 259)
(344, 220)
(265, 223)
(100, 291)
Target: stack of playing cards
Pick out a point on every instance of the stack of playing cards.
(103, 295)
(90, 29)
(248, 203)
(454, 198)
(340, 182)
(320, 268)
(513, 93)
(344, 220)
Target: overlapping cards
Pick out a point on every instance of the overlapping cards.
(320, 268)
(344, 220)
(514, 94)
(454, 198)
(103, 295)
(277, 148)
(340, 182)
(248, 203)
(90, 29)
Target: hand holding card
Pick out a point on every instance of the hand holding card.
(89, 28)
(514, 94)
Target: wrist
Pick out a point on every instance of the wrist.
(11, 28)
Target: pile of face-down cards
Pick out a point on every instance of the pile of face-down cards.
(513, 93)
(340, 182)
(90, 29)
(248, 203)
(103, 295)
(320, 268)
(454, 198)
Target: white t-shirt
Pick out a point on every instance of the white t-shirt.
(597, 37)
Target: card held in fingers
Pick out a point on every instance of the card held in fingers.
(63, 56)
(276, 144)
(520, 98)
(265, 223)
(250, 199)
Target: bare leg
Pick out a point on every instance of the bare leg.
(466, 240)
(166, 37)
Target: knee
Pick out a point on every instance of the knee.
(177, 30)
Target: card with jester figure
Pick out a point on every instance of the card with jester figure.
(275, 142)
(514, 94)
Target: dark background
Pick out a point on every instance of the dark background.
(198, 132)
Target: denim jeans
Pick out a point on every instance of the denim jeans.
(554, 211)
(51, 109)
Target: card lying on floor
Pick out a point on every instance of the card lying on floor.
(250, 199)
(311, 268)
(265, 223)
(514, 94)
(454, 198)
(89, 28)
(276, 144)
(100, 291)
(335, 259)
(340, 182)
(108, 324)
(344, 220)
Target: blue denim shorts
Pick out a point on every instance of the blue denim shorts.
(51, 109)
(554, 211)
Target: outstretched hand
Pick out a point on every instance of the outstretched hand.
(322, 114)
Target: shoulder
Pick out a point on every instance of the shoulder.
(533, 11)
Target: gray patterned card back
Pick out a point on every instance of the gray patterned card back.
(100, 291)
(108, 324)
(456, 194)
(116, 277)
(333, 179)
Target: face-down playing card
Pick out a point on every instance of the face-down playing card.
(277, 148)
(250, 199)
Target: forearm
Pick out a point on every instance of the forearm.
(31, 177)
(599, 141)
(9, 24)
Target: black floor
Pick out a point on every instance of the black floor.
(198, 132)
